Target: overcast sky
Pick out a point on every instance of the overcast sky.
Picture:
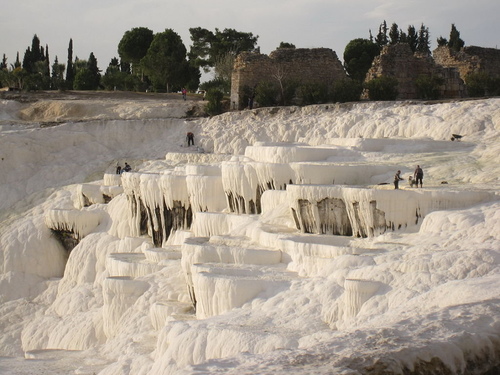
(98, 25)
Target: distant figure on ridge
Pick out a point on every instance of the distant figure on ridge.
(118, 169)
(127, 168)
(397, 178)
(418, 175)
(250, 101)
(184, 93)
(190, 139)
(251, 98)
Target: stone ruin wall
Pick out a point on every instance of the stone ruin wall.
(469, 59)
(322, 65)
(317, 65)
(400, 62)
(249, 69)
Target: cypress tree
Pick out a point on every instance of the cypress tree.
(94, 71)
(412, 38)
(28, 60)
(455, 42)
(47, 61)
(70, 71)
(381, 38)
(33, 55)
(394, 34)
(17, 64)
(36, 50)
(423, 44)
(442, 41)
(403, 38)
(57, 80)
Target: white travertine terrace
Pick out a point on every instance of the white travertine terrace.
(292, 255)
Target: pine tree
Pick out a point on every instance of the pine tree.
(165, 62)
(358, 57)
(125, 67)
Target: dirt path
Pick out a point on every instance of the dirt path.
(92, 95)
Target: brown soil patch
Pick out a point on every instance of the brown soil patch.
(92, 95)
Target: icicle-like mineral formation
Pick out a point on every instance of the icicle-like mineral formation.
(363, 212)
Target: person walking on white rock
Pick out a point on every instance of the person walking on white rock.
(190, 139)
(418, 175)
(397, 178)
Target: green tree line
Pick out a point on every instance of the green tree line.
(160, 62)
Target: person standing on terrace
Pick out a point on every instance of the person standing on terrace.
(418, 175)
(397, 178)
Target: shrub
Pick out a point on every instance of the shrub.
(382, 88)
(214, 105)
(215, 84)
(481, 84)
(248, 92)
(346, 90)
(312, 93)
(428, 87)
(267, 94)
(287, 91)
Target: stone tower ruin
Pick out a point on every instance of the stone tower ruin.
(469, 60)
(400, 62)
(316, 65)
